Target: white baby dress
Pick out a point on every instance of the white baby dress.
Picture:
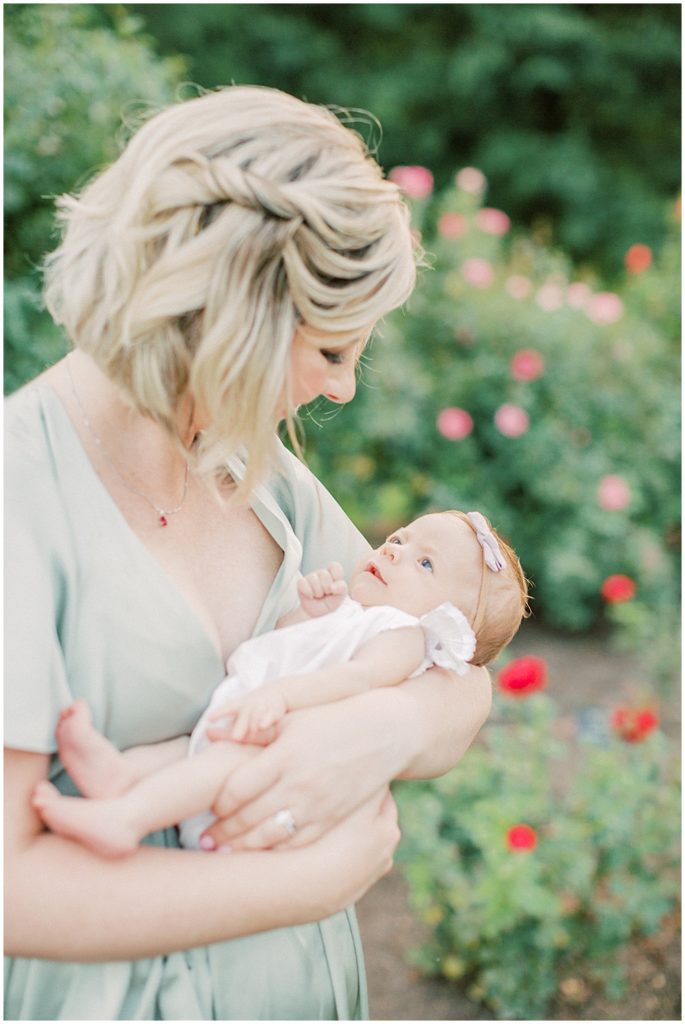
(327, 640)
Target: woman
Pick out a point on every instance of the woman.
(226, 269)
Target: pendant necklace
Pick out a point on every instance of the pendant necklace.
(162, 513)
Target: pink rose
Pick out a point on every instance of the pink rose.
(613, 493)
(512, 420)
(578, 295)
(605, 308)
(454, 424)
(527, 364)
(471, 180)
(452, 225)
(518, 286)
(550, 297)
(477, 272)
(416, 182)
(493, 222)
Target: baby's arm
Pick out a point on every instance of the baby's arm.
(320, 592)
(386, 660)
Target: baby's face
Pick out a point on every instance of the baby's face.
(434, 559)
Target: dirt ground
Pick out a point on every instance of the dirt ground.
(585, 675)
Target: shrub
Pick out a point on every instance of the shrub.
(541, 855)
(61, 124)
(513, 385)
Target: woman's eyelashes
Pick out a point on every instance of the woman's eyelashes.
(336, 358)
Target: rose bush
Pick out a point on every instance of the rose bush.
(543, 853)
(520, 385)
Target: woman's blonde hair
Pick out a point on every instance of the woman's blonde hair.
(502, 602)
(228, 220)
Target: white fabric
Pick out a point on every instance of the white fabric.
(327, 640)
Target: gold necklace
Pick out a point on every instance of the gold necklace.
(162, 513)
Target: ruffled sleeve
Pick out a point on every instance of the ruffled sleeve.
(450, 641)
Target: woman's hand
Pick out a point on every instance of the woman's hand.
(343, 864)
(327, 761)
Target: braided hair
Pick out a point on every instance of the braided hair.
(227, 220)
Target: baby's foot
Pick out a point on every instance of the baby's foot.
(96, 824)
(92, 762)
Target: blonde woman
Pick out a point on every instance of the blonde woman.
(228, 268)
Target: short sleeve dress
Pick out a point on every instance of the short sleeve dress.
(90, 613)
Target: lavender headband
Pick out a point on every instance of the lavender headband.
(492, 553)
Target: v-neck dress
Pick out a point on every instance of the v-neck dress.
(91, 614)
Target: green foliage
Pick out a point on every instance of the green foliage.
(572, 110)
(513, 924)
(68, 83)
(606, 404)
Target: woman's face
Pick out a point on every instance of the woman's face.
(322, 365)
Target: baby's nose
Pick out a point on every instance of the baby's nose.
(391, 551)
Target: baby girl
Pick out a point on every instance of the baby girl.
(445, 590)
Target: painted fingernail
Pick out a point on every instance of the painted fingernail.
(207, 843)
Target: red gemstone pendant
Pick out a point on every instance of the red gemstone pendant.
(163, 521)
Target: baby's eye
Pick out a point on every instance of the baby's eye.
(394, 540)
(426, 564)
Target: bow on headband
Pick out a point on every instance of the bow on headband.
(492, 553)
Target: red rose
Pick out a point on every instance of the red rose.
(522, 838)
(633, 725)
(638, 258)
(523, 676)
(618, 588)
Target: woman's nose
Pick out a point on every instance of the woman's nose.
(341, 386)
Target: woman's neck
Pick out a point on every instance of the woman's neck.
(141, 450)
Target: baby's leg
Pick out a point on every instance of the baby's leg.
(114, 827)
(95, 764)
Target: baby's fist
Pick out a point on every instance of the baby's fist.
(322, 591)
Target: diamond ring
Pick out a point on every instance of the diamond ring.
(284, 819)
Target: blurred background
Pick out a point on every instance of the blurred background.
(534, 375)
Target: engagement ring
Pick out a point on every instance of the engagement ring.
(284, 819)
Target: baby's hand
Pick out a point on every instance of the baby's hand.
(254, 716)
(322, 591)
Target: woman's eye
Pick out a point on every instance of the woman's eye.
(333, 357)
(426, 563)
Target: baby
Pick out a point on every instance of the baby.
(445, 590)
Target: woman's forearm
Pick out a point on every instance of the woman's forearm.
(435, 718)
(64, 903)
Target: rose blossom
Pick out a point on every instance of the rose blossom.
(455, 424)
(618, 588)
(518, 286)
(512, 420)
(633, 725)
(493, 222)
(452, 225)
(527, 364)
(613, 493)
(638, 258)
(471, 180)
(521, 838)
(550, 297)
(416, 182)
(578, 295)
(523, 676)
(605, 308)
(477, 272)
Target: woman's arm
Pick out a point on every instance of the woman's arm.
(64, 903)
(330, 758)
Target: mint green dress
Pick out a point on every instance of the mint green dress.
(90, 613)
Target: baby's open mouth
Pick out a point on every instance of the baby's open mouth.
(375, 571)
